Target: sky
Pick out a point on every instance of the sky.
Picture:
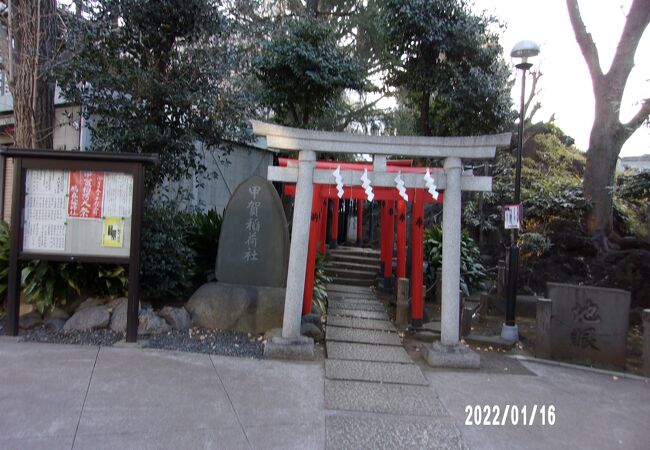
(566, 89)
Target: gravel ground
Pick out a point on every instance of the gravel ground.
(197, 340)
(214, 342)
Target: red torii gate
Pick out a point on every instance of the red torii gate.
(387, 197)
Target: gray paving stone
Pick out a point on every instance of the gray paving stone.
(384, 372)
(361, 396)
(381, 315)
(363, 336)
(367, 352)
(356, 322)
(359, 432)
(376, 306)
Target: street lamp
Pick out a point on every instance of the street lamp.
(521, 51)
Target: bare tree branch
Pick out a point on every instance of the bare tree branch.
(637, 20)
(641, 116)
(585, 41)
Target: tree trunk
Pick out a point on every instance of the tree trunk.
(608, 134)
(425, 129)
(34, 35)
(599, 180)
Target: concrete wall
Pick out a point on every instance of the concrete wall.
(213, 192)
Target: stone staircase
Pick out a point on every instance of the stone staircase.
(353, 266)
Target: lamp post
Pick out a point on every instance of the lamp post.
(522, 50)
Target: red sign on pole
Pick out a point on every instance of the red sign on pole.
(86, 194)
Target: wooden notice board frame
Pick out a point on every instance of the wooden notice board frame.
(29, 159)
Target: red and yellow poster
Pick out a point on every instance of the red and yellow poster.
(86, 194)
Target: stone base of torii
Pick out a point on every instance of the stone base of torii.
(450, 351)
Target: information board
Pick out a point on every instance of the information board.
(80, 212)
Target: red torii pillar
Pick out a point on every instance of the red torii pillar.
(314, 232)
(401, 239)
(382, 234)
(417, 257)
(323, 225)
(334, 235)
(389, 238)
(359, 223)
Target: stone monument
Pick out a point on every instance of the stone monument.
(588, 324)
(251, 266)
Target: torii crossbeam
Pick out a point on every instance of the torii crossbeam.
(452, 180)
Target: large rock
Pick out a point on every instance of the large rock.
(54, 324)
(89, 303)
(177, 318)
(88, 318)
(118, 317)
(150, 323)
(30, 320)
(312, 331)
(254, 240)
(251, 309)
(57, 313)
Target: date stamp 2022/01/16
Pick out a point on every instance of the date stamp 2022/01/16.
(510, 415)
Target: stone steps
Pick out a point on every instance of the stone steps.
(353, 266)
(371, 252)
(336, 273)
(352, 281)
(347, 265)
(355, 259)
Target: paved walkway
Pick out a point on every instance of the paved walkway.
(372, 383)
(81, 397)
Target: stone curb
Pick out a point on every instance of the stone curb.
(579, 367)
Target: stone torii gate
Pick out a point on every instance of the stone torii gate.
(292, 345)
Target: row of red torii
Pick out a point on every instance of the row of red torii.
(310, 201)
(388, 197)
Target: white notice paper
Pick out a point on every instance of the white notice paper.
(118, 194)
(45, 210)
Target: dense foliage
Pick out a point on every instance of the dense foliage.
(157, 83)
(472, 271)
(167, 260)
(203, 237)
(447, 62)
(303, 72)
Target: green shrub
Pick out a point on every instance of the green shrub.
(47, 284)
(472, 271)
(203, 237)
(320, 282)
(534, 244)
(167, 263)
(106, 280)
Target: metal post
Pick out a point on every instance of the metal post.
(509, 330)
